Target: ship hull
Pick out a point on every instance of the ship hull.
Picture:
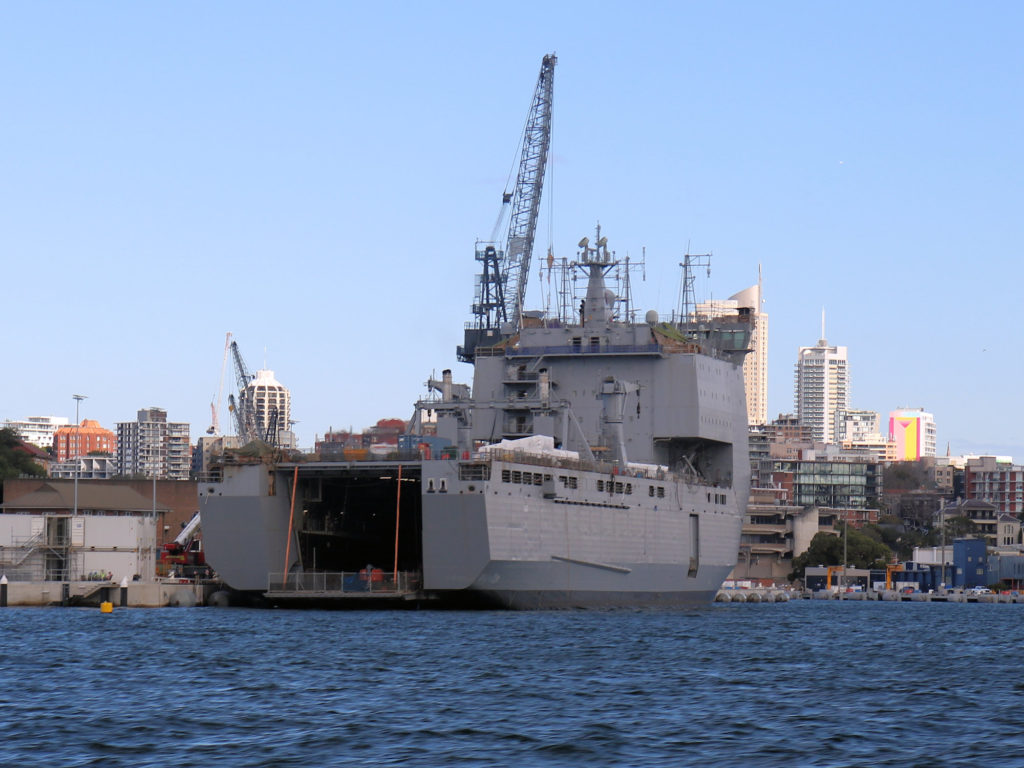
(484, 541)
(666, 587)
(551, 600)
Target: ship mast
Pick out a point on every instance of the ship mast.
(688, 298)
(595, 261)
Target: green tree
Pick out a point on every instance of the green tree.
(14, 462)
(960, 527)
(905, 476)
(862, 551)
(901, 540)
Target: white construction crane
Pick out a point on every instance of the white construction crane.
(215, 404)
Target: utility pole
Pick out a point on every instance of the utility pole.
(846, 536)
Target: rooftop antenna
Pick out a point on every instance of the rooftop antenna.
(760, 290)
(823, 342)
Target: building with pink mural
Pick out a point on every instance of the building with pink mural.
(913, 432)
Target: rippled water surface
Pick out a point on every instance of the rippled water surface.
(799, 684)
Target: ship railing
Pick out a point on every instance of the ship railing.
(570, 349)
(18, 572)
(364, 455)
(522, 376)
(363, 582)
(558, 462)
(606, 467)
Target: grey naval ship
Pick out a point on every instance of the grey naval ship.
(593, 463)
(597, 460)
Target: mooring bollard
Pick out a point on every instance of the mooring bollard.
(124, 592)
(3, 591)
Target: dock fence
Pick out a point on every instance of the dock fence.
(345, 582)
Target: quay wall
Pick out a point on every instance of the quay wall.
(154, 594)
(774, 595)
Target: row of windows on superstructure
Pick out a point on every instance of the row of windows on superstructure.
(524, 478)
(518, 477)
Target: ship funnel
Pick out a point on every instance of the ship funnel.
(613, 395)
(446, 384)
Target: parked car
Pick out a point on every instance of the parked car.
(980, 591)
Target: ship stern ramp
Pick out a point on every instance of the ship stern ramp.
(456, 548)
(245, 526)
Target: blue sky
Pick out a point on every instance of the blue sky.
(312, 177)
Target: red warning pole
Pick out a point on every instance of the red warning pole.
(291, 518)
(398, 507)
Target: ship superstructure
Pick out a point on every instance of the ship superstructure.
(609, 460)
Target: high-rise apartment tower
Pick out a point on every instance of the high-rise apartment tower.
(822, 387)
(151, 446)
(272, 404)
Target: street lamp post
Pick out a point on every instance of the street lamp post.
(78, 466)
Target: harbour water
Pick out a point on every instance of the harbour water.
(806, 683)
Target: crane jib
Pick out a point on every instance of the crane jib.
(501, 288)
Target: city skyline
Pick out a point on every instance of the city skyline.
(279, 174)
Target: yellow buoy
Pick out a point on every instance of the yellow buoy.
(106, 607)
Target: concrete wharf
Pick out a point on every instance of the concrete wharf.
(771, 595)
(159, 593)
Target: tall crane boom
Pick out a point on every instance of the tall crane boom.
(245, 415)
(501, 286)
(241, 371)
(236, 412)
(215, 405)
(533, 159)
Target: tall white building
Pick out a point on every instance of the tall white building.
(38, 430)
(822, 388)
(151, 446)
(755, 364)
(272, 404)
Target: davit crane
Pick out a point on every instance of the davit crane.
(501, 286)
